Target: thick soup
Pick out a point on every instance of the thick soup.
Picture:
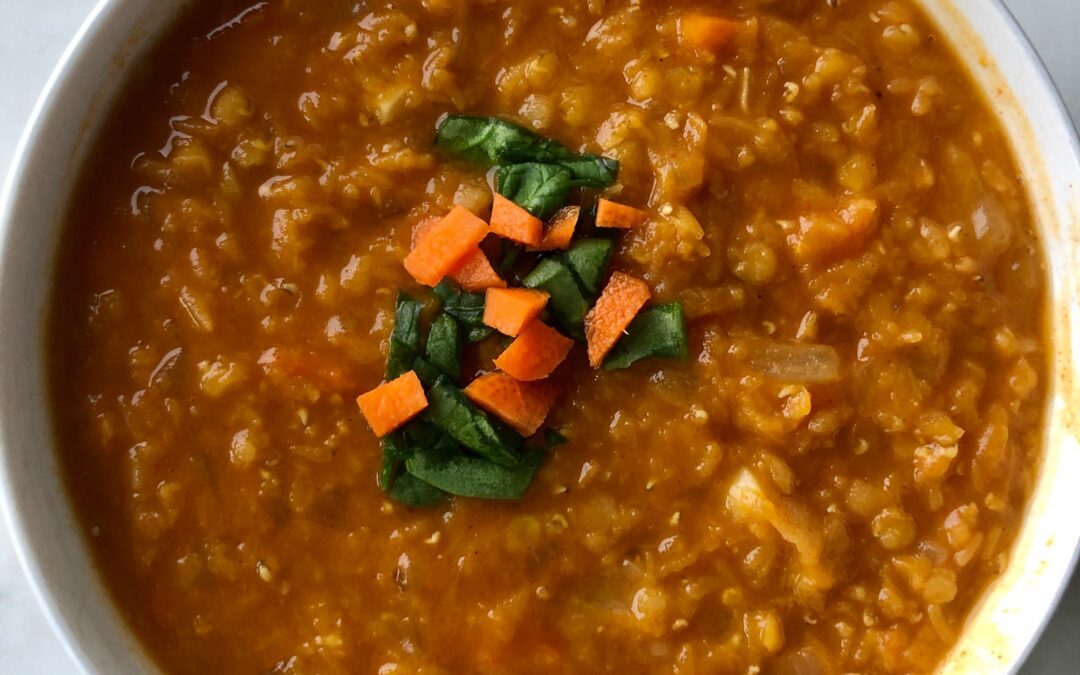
(792, 428)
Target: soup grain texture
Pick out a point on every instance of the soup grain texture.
(827, 485)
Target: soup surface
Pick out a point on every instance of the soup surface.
(825, 186)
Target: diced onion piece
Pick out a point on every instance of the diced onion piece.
(803, 363)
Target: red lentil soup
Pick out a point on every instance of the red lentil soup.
(826, 485)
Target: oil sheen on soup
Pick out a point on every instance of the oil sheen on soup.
(826, 485)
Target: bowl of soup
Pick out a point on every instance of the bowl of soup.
(443, 337)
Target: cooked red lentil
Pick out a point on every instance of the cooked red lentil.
(827, 484)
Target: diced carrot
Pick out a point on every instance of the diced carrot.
(508, 310)
(320, 370)
(560, 229)
(535, 352)
(618, 304)
(614, 214)
(708, 34)
(522, 405)
(474, 273)
(510, 221)
(444, 246)
(391, 404)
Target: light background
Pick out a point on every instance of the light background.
(33, 33)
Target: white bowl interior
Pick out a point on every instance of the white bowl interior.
(53, 549)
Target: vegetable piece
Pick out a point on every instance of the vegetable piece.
(535, 352)
(453, 413)
(614, 214)
(540, 189)
(426, 370)
(658, 331)
(617, 306)
(443, 348)
(510, 221)
(405, 340)
(470, 476)
(444, 246)
(566, 303)
(393, 403)
(803, 363)
(553, 439)
(319, 370)
(707, 34)
(588, 259)
(522, 405)
(474, 272)
(559, 230)
(413, 491)
(468, 308)
(394, 452)
(490, 141)
(507, 310)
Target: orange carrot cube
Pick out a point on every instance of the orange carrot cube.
(522, 405)
(559, 231)
(508, 310)
(614, 214)
(606, 322)
(444, 246)
(393, 403)
(535, 352)
(510, 221)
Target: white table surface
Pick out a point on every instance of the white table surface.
(32, 36)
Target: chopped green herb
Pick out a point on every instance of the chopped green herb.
(422, 434)
(588, 259)
(443, 348)
(566, 303)
(540, 189)
(394, 451)
(471, 476)
(468, 308)
(413, 491)
(490, 141)
(553, 438)
(426, 370)
(405, 340)
(659, 331)
(510, 255)
(452, 412)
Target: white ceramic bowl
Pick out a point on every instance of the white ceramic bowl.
(51, 547)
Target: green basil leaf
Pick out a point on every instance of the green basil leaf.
(467, 475)
(453, 413)
(478, 333)
(405, 339)
(540, 189)
(426, 370)
(394, 452)
(566, 303)
(468, 308)
(444, 345)
(553, 438)
(490, 141)
(588, 259)
(659, 331)
(413, 491)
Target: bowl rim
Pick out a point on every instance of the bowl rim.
(30, 143)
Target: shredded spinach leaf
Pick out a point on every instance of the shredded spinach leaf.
(490, 141)
(405, 339)
(467, 475)
(659, 331)
(566, 303)
(394, 452)
(443, 348)
(540, 189)
(588, 259)
(453, 413)
(413, 491)
(468, 308)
